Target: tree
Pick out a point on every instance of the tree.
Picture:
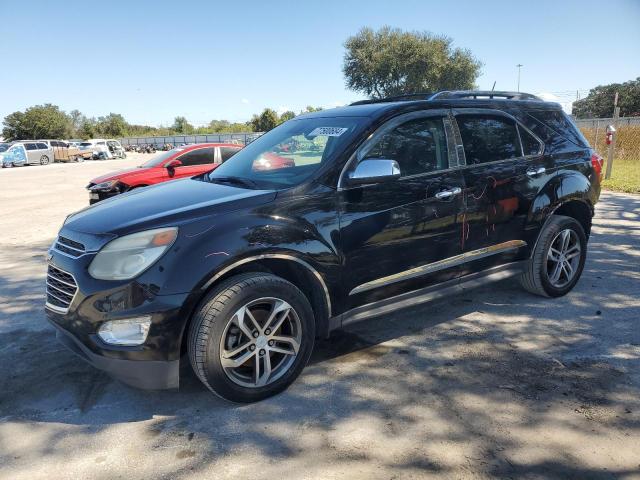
(181, 125)
(391, 62)
(264, 122)
(599, 102)
(87, 128)
(288, 115)
(40, 121)
(113, 125)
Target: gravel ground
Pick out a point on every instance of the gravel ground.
(494, 383)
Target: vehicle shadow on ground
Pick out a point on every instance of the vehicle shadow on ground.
(468, 385)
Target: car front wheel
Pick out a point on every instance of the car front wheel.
(251, 337)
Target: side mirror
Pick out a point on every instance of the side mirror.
(171, 167)
(374, 171)
(173, 164)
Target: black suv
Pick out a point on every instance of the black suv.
(390, 203)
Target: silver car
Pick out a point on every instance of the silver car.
(28, 152)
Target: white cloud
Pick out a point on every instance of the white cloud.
(245, 101)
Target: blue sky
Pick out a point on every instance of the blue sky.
(153, 60)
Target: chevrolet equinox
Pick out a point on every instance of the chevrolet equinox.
(386, 204)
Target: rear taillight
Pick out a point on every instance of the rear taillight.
(597, 161)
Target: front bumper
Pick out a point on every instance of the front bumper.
(147, 375)
(98, 196)
(152, 365)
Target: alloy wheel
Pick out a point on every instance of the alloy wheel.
(563, 258)
(260, 342)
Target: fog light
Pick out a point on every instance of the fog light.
(132, 331)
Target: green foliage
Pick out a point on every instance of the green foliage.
(599, 102)
(113, 125)
(181, 125)
(266, 121)
(288, 115)
(40, 121)
(391, 62)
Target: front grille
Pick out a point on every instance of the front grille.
(69, 247)
(61, 288)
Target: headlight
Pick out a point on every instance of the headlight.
(127, 257)
(104, 185)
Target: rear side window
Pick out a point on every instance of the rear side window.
(488, 138)
(227, 152)
(530, 145)
(200, 156)
(31, 146)
(419, 146)
(42, 146)
(560, 123)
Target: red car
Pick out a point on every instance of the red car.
(180, 162)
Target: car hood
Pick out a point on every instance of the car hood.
(117, 175)
(170, 203)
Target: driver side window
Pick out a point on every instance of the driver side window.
(419, 146)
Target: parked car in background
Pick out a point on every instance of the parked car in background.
(173, 164)
(103, 149)
(27, 152)
(64, 152)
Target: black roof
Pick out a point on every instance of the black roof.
(445, 99)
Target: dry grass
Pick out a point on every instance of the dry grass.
(625, 176)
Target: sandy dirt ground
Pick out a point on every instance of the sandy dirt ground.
(493, 383)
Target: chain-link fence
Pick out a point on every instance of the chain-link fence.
(175, 140)
(627, 136)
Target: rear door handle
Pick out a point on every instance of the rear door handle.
(534, 172)
(445, 194)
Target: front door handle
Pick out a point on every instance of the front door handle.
(446, 194)
(534, 172)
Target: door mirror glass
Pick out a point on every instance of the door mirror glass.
(374, 171)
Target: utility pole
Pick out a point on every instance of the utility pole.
(612, 146)
(519, 67)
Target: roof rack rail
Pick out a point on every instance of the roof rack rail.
(484, 94)
(446, 94)
(396, 98)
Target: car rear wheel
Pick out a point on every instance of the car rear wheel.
(79, 159)
(558, 259)
(44, 160)
(251, 337)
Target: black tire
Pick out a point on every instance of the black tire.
(215, 313)
(536, 277)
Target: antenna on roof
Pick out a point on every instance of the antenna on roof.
(494, 86)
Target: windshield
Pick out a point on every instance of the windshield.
(290, 153)
(161, 158)
(85, 144)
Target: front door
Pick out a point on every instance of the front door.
(195, 162)
(393, 234)
(33, 154)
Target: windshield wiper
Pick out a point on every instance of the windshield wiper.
(245, 182)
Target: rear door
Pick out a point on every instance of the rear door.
(501, 180)
(399, 236)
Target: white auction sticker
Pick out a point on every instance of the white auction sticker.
(328, 131)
